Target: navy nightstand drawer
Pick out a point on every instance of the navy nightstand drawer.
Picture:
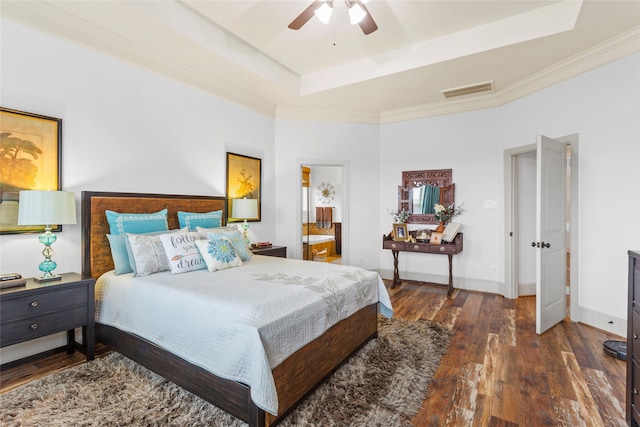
(39, 326)
(45, 302)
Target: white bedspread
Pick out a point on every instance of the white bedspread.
(241, 322)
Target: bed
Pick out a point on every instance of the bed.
(293, 378)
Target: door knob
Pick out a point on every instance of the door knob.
(546, 245)
(535, 244)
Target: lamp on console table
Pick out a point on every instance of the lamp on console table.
(244, 209)
(47, 208)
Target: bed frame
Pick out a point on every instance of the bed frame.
(296, 377)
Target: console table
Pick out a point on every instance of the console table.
(449, 249)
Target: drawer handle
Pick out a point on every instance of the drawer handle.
(635, 336)
(416, 247)
(34, 326)
(442, 248)
(34, 304)
(393, 245)
(635, 391)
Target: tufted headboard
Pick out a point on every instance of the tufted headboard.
(96, 253)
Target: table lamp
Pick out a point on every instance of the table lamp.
(47, 208)
(243, 209)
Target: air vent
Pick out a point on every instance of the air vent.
(467, 90)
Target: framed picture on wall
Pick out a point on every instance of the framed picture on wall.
(243, 182)
(29, 160)
(400, 232)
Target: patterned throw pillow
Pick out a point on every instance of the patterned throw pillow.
(182, 253)
(120, 223)
(218, 253)
(195, 219)
(147, 255)
(233, 234)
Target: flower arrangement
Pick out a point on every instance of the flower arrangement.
(445, 213)
(399, 217)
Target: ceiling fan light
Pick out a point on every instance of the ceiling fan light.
(324, 13)
(356, 13)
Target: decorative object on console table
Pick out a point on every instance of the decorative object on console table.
(37, 310)
(400, 232)
(271, 250)
(444, 213)
(245, 209)
(633, 332)
(48, 208)
(448, 249)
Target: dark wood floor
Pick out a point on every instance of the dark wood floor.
(497, 372)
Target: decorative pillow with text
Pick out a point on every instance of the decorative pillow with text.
(182, 253)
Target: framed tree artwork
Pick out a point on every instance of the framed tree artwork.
(29, 160)
(243, 182)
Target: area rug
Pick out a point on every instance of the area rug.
(383, 384)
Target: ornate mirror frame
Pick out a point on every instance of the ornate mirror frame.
(413, 179)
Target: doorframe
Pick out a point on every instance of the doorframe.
(510, 289)
(345, 203)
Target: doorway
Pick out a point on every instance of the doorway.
(520, 212)
(322, 212)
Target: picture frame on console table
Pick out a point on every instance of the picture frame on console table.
(30, 146)
(400, 232)
(436, 238)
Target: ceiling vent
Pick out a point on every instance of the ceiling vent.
(468, 90)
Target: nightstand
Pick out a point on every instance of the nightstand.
(277, 251)
(39, 309)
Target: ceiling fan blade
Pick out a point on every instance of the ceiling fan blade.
(368, 25)
(306, 14)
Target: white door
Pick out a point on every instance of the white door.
(550, 234)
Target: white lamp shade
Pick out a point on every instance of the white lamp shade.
(46, 208)
(245, 208)
(324, 13)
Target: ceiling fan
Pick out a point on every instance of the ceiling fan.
(358, 14)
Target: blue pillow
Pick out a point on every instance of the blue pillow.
(120, 223)
(119, 254)
(195, 219)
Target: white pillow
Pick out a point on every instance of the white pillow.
(218, 252)
(182, 252)
(146, 253)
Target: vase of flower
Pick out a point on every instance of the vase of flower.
(444, 214)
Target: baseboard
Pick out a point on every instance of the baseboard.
(602, 321)
(468, 284)
(526, 289)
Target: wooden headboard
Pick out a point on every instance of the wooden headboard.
(96, 253)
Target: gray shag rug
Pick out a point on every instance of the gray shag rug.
(383, 384)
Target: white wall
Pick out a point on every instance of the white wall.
(356, 148)
(603, 107)
(124, 129)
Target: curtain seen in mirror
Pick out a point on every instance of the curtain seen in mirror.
(429, 196)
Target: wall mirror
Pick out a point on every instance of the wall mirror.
(421, 189)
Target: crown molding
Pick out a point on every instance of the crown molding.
(615, 48)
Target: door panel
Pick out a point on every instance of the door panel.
(550, 233)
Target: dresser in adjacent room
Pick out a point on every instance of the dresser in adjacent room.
(633, 341)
